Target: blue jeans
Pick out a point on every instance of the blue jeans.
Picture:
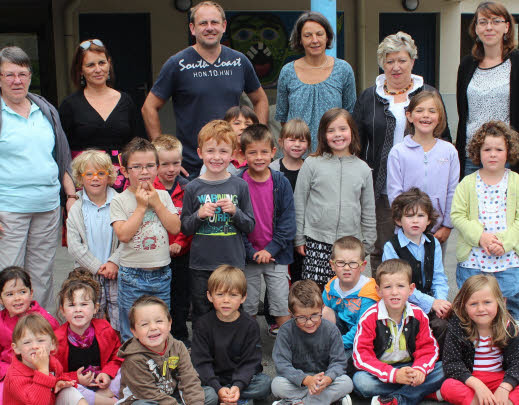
(133, 283)
(508, 281)
(258, 388)
(367, 386)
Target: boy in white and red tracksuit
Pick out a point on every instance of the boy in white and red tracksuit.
(394, 351)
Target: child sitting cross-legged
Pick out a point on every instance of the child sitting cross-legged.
(157, 368)
(308, 354)
(349, 294)
(226, 348)
(394, 350)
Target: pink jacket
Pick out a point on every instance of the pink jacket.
(7, 325)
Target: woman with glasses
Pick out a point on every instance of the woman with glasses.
(488, 79)
(34, 159)
(97, 115)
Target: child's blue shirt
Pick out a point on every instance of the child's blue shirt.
(440, 285)
(350, 308)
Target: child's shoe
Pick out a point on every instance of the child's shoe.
(435, 396)
(273, 330)
(346, 400)
(384, 400)
(288, 402)
(245, 402)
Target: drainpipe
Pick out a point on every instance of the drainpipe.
(329, 9)
(69, 18)
(361, 44)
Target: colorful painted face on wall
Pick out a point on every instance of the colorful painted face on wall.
(263, 39)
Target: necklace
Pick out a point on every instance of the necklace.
(396, 93)
(325, 64)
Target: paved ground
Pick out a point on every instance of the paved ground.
(63, 265)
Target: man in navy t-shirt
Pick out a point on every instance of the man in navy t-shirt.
(204, 81)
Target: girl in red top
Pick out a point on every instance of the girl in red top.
(35, 376)
(16, 297)
(87, 347)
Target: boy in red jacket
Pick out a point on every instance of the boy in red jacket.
(394, 350)
(169, 149)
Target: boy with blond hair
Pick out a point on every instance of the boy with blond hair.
(226, 345)
(169, 150)
(90, 238)
(141, 217)
(394, 351)
(217, 211)
(349, 294)
(308, 354)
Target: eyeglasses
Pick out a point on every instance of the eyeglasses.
(139, 168)
(483, 22)
(100, 174)
(341, 263)
(10, 77)
(86, 44)
(302, 320)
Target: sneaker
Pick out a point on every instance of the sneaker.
(384, 400)
(346, 400)
(288, 402)
(273, 330)
(435, 396)
(245, 402)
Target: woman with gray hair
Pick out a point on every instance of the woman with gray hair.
(380, 116)
(33, 170)
(311, 85)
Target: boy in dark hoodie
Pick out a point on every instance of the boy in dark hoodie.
(156, 368)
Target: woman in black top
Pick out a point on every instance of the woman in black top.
(488, 80)
(97, 115)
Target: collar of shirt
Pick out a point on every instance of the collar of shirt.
(384, 316)
(109, 196)
(6, 108)
(404, 240)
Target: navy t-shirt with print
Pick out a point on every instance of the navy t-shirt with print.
(202, 91)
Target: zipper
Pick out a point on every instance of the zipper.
(340, 199)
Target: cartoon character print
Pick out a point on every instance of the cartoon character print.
(151, 234)
(163, 383)
(220, 224)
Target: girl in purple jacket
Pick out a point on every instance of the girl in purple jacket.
(423, 160)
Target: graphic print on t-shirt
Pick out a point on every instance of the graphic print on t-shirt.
(220, 224)
(151, 234)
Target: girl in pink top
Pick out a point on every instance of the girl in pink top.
(16, 297)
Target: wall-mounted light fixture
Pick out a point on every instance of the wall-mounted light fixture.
(183, 5)
(410, 5)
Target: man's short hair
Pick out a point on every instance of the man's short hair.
(195, 8)
(394, 266)
(305, 294)
(220, 131)
(227, 278)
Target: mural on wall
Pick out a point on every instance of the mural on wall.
(263, 37)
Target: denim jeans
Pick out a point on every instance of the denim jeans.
(508, 281)
(367, 386)
(134, 283)
(258, 388)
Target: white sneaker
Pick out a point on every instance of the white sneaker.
(346, 400)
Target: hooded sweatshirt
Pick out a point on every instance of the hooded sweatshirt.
(146, 374)
(351, 307)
